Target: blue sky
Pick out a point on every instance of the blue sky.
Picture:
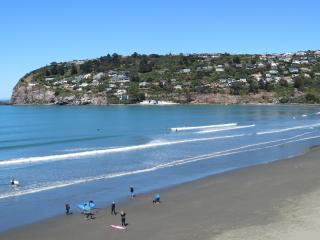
(35, 33)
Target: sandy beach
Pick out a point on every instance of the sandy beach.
(280, 200)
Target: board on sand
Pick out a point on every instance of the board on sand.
(118, 227)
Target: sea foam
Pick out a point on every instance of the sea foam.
(61, 157)
(232, 151)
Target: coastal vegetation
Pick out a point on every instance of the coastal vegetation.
(273, 78)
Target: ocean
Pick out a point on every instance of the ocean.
(73, 154)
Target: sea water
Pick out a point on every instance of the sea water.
(74, 154)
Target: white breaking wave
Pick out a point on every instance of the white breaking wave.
(203, 127)
(60, 157)
(225, 129)
(288, 129)
(232, 151)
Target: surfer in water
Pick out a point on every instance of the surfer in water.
(14, 182)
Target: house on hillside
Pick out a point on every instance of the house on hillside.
(219, 68)
(293, 70)
(185, 70)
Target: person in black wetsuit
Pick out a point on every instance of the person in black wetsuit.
(67, 205)
(113, 209)
(123, 219)
(132, 192)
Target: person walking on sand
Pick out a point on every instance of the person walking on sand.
(123, 219)
(113, 208)
(67, 205)
(132, 191)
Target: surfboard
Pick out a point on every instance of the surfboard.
(118, 227)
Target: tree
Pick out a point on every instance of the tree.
(283, 83)
(299, 84)
(236, 60)
(144, 66)
(134, 93)
(311, 98)
(61, 70)
(262, 85)
(86, 67)
(237, 88)
(47, 72)
(115, 60)
(253, 86)
(135, 55)
(74, 70)
(54, 68)
(134, 77)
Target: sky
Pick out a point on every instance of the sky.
(35, 33)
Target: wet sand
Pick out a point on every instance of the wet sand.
(280, 200)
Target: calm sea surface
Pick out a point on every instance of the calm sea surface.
(76, 154)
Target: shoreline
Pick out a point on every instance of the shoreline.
(170, 105)
(194, 198)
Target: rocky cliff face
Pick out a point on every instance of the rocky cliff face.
(262, 98)
(27, 94)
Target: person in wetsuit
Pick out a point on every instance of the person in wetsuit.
(67, 205)
(123, 219)
(113, 208)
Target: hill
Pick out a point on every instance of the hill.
(193, 78)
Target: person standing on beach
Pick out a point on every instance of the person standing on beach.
(67, 205)
(123, 219)
(132, 191)
(113, 208)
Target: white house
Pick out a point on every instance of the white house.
(185, 70)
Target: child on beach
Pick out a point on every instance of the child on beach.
(156, 198)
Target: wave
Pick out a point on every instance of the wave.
(60, 157)
(288, 129)
(61, 184)
(202, 127)
(225, 129)
(70, 140)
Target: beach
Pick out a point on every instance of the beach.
(279, 200)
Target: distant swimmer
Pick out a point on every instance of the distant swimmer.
(14, 182)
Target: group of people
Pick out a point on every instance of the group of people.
(156, 200)
(122, 214)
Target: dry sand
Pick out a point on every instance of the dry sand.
(280, 200)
